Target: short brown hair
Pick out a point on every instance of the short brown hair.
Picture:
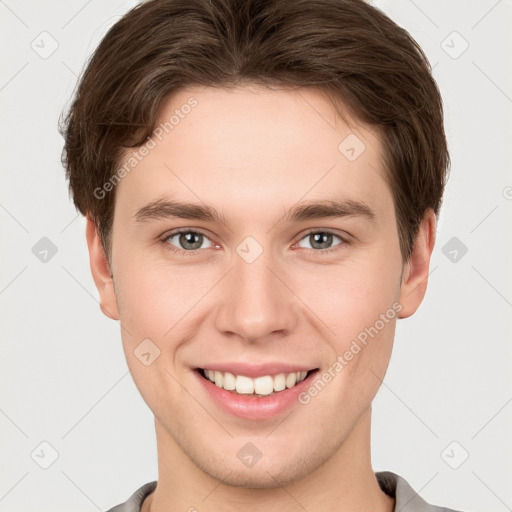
(346, 48)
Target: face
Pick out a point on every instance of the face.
(288, 261)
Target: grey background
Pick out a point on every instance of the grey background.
(63, 376)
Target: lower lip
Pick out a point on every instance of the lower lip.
(253, 407)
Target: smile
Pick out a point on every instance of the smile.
(260, 386)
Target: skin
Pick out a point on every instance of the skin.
(253, 153)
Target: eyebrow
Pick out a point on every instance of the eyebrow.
(165, 208)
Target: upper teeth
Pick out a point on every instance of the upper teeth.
(265, 385)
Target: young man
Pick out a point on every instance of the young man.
(261, 181)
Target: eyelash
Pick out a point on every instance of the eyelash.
(194, 252)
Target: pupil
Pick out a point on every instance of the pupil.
(322, 239)
(187, 240)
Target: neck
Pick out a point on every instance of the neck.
(346, 481)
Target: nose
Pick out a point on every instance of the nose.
(256, 302)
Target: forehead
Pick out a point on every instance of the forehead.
(257, 148)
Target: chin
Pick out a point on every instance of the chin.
(265, 474)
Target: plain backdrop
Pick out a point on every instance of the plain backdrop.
(443, 416)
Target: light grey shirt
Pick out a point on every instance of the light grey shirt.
(407, 500)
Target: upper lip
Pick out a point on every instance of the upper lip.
(257, 370)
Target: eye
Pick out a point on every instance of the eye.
(190, 241)
(186, 240)
(321, 241)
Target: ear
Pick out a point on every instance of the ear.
(416, 270)
(100, 270)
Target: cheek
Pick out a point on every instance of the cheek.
(363, 321)
(164, 305)
(153, 305)
(359, 304)
(154, 299)
(352, 297)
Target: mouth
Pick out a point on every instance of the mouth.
(260, 386)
